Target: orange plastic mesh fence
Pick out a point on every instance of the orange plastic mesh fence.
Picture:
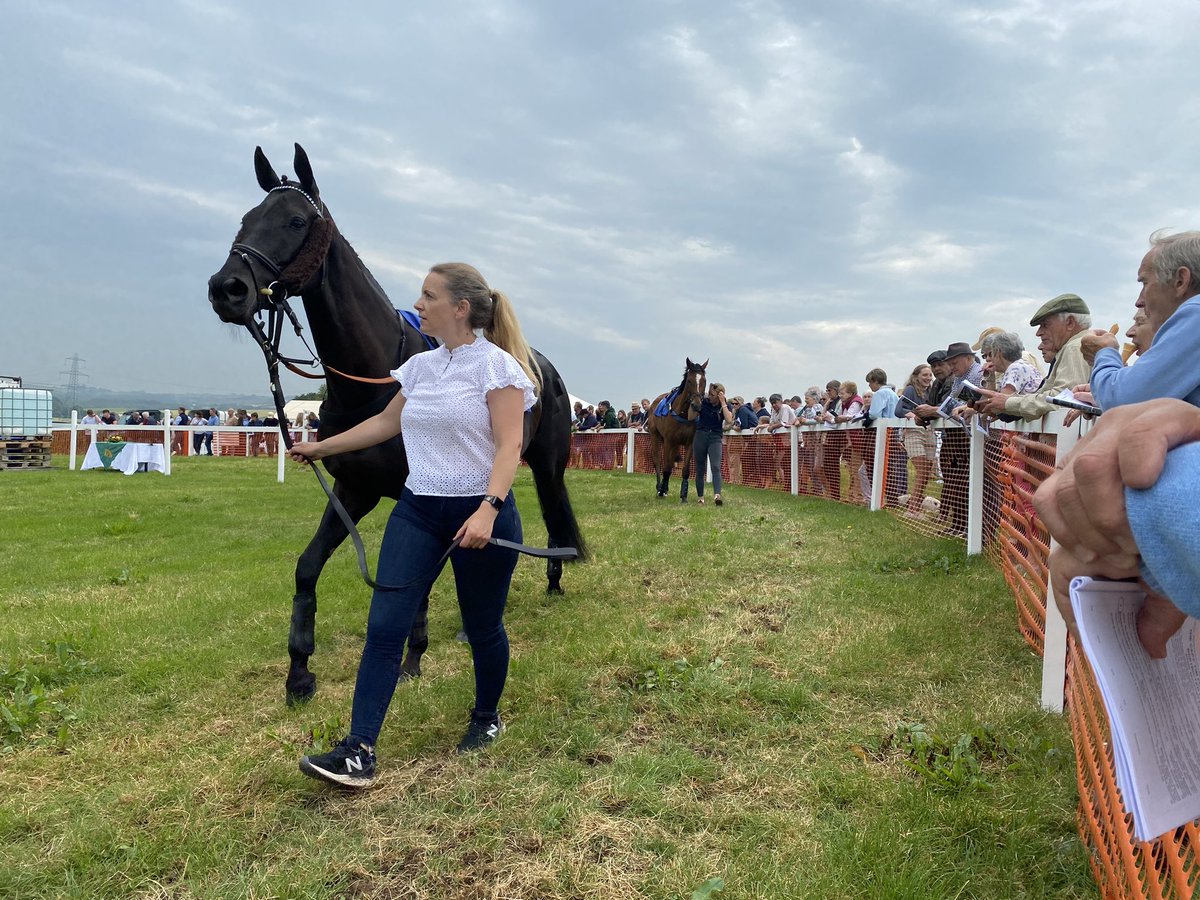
(758, 460)
(833, 463)
(598, 450)
(913, 480)
(1122, 865)
(1018, 463)
(225, 443)
(925, 485)
(60, 440)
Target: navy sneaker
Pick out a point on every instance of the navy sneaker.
(480, 734)
(350, 764)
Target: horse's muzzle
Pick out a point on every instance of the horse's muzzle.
(231, 298)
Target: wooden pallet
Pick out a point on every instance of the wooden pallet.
(24, 453)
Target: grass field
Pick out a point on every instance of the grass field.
(796, 698)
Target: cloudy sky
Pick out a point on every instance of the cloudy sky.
(797, 191)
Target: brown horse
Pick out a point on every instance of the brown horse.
(676, 428)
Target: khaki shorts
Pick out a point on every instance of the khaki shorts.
(920, 442)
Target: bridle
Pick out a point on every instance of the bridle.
(291, 279)
(690, 398)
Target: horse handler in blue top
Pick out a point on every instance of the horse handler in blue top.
(711, 422)
(461, 469)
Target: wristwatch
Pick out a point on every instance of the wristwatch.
(497, 503)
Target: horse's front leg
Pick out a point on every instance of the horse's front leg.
(301, 683)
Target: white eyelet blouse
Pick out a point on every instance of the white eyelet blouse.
(445, 423)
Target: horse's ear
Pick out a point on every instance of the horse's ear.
(688, 362)
(304, 172)
(704, 365)
(267, 179)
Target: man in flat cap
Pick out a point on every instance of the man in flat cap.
(939, 390)
(1061, 325)
(956, 442)
(1170, 279)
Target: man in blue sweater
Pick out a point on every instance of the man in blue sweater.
(1123, 505)
(1170, 295)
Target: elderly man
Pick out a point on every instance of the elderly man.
(1170, 279)
(1061, 325)
(782, 415)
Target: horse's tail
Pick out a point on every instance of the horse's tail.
(562, 528)
(547, 456)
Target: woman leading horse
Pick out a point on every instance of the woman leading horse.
(457, 496)
(289, 245)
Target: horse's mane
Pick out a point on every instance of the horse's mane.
(683, 381)
(362, 267)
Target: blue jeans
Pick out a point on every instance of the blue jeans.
(706, 448)
(417, 534)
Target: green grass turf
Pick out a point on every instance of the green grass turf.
(718, 695)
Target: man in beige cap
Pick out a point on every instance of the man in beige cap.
(1061, 324)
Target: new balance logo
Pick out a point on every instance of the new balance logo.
(352, 762)
(493, 730)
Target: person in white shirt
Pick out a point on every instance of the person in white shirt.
(782, 414)
(461, 469)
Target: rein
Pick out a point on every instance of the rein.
(296, 274)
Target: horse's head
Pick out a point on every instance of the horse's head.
(282, 243)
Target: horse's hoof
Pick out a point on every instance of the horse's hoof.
(661, 494)
(555, 590)
(302, 690)
(300, 698)
(408, 676)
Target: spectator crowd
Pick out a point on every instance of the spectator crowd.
(243, 444)
(968, 383)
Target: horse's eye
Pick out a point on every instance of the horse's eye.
(298, 222)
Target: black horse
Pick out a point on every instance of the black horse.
(289, 245)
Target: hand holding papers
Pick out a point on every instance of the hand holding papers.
(1153, 705)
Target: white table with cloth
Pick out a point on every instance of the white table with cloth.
(124, 457)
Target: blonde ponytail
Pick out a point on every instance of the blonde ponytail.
(505, 333)
(493, 312)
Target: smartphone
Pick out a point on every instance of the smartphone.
(1075, 404)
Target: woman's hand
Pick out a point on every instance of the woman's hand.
(477, 530)
(306, 453)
